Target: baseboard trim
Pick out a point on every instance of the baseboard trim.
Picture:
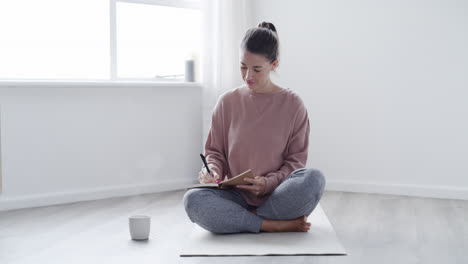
(30, 201)
(427, 191)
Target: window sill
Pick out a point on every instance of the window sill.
(93, 83)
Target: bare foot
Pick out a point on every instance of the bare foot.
(299, 224)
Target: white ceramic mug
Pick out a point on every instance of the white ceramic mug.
(139, 227)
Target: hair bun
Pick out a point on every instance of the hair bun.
(267, 25)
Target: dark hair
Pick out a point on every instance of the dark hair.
(263, 40)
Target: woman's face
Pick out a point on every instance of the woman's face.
(255, 70)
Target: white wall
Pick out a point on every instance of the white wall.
(65, 143)
(385, 83)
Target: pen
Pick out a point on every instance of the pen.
(204, 162)
(206, 166)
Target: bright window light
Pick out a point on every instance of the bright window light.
(154, 41)
(54, 39)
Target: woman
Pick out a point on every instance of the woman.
(265, 128)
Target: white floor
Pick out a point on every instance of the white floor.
(373, 229)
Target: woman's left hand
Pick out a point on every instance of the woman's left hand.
(258, 186)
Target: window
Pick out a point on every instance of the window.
(98, 39)
(153, 41)
(54, 39)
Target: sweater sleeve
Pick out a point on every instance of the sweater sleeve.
(296, 152)
(214, 146)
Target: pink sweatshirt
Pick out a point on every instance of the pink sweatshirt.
(267, 133)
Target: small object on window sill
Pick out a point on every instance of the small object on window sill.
(189, 71)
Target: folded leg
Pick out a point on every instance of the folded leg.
(220, 211)
(297, 196)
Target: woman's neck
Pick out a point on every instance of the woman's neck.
(270, 87)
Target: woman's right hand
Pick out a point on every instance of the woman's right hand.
(205, 177)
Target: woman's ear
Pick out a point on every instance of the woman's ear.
(275, 64)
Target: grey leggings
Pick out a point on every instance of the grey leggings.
(226, 211)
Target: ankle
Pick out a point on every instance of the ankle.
(267, 225)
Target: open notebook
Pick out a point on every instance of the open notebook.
(239, 179)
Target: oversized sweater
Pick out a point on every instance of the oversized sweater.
(265, 132)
